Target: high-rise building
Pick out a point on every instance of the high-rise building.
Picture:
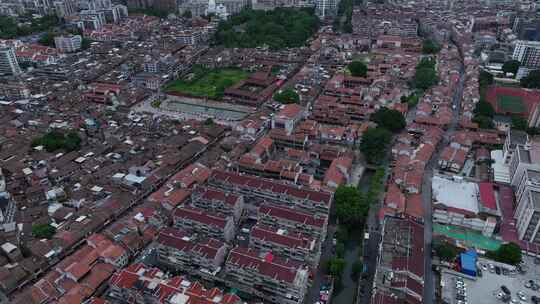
(326, 8)
(528, 216)
(8, 61)
(528, 53)
(68, 44)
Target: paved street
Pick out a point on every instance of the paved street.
(429, 284)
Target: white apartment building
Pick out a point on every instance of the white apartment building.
(8, 61)
(68, 44)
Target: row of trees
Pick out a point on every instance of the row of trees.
(279, 28)
(10, 28)
(375, 141)
(425, 75)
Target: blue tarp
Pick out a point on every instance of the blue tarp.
(468, 262)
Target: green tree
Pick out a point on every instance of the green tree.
(389, 119)
(351, 205)
(340, 250)
(484, 108)
(484, 122)
(430, 47)
(209, 122)
(357, 268)
(509, 253)
(286, 96)
(56, 140)
(336, 267)
(519, 123)
(376, 186)
(187, 14)
(425, 78)
(374, 143)
(357, 69)
(531, 81)
(444, 250)
(485, 79)
(47, 39)
(511, 66)
(43, 231)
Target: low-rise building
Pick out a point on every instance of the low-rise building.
(284, 243)
(283, 217)
(181, 250)
(299, 198)
(267, 276)
(199, 221)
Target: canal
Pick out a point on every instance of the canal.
(346, 295)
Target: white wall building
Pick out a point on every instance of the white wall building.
(8, 61)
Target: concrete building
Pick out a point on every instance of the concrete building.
(466, 204)
(528, 216)
(180, 250)
(525, 157)
(269, 277)
(326, 8)
(68, 44)
(199, 221)
(8, 61)
(286, 244)
(528, 53)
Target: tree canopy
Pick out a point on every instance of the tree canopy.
(483, 114)
(286, 96)
(56, 140)
(357, 69)
(425, 75)
(389, 119)
(444, 250)
(485, 79)
(531, 81)
(374, 143)
(511, 66)
(43, 231)
(279, 28)
(10, 28)
(508, 253)
(351, 205)
(519, 123)
(430, 47)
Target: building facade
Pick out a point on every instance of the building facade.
(8, 61)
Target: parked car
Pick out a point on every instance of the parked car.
(505, 290)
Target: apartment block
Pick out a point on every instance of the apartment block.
(284, 243)
(199, 221)
(269, 277)
(528, 216)
(287, 218)
(8, 61)
(181, 250)
(256, 188)
(217, 201)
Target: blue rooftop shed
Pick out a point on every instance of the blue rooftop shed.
(468, 262)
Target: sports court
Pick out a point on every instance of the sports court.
(511, 104)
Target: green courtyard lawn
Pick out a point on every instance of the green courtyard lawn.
(208, 83)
